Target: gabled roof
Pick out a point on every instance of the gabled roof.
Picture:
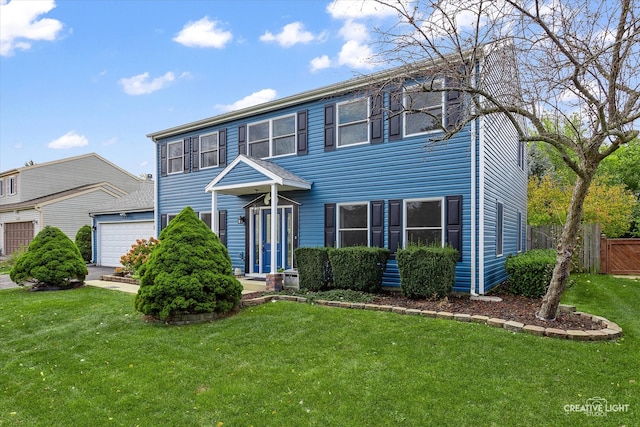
(65, 160)
(138, 201)
(52, 198)
(266, 174)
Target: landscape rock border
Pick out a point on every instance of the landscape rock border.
(609, 331)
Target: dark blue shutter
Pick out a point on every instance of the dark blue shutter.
(377, 224)
(454, 223)
(499, 227)
(302, 133)
(222, 147)
(242, 139)
(163, 160)
(330, 127)
(329, 225)
(395, 226)
(195, 153)
(395, 115)
(186, 151)
(222, 226)
(377, 136)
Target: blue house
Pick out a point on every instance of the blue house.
(349, 165)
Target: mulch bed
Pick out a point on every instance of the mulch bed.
(512, 307)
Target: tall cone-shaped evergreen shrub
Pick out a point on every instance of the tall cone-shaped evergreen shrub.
(188, 272)
(52, 260)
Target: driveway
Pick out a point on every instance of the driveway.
(94, 274)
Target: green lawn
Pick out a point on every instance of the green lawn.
(85, 357)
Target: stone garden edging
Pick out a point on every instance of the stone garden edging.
(609, 331)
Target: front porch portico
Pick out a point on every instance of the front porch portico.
(250, 176)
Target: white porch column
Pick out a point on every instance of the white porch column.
(274, 228)
(215, 220)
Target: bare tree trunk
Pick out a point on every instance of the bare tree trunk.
(567, 245)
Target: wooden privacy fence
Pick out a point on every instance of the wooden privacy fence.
(620, 256)
(586, 258)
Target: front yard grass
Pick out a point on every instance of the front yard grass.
(85, 357)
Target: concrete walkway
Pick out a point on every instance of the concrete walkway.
(248, 285)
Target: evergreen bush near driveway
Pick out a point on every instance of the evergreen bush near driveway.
(530, 272)
(358, 268)
(188, 272)
(83, 242)
(426, 271)
(314, 269)
(51, 260)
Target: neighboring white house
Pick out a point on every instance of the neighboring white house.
(60, 193)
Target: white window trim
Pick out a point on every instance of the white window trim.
(217, 150)
(442, 218)
(339, 125)
(443, 108)
(170, 158)
(11, 185)
(271, 136)
(339, 228)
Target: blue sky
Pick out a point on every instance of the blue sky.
(82, 76)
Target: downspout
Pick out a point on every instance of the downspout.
(274, 228)
(481, 224)
(474, 241)
(156, 189)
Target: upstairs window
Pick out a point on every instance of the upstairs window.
(209, 150)
(175, 157)
(272, 138)
(423, 110)
(13, 185)
(353, 224)
(353, 122)
(1, 188)
(424, 222)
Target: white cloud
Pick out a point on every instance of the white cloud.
(356, 55)
(140, 84)
(259, 97)
(290, 35)
(20, 24)
(347, 9)
(69, 140)
(320, 63)
(203, 33)
(354, 31)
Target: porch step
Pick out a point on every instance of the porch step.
(253, 285)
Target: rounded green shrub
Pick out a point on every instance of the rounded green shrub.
(188, 272)
(52, 260)
(530, 272)
(83, 242)
(427, 271)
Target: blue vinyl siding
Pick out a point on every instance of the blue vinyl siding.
(505, 182)
(410, 168)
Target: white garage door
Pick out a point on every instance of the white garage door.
(115, 240)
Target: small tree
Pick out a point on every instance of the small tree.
(52, 259)
(189, 272)
(138, 254)
(552, 59)
(83, 242)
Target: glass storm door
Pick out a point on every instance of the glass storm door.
(261, 223)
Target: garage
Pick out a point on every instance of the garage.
(115, 239)
(17, 235)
